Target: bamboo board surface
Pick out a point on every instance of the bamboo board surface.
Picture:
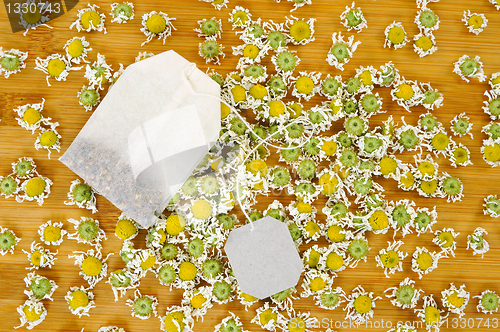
(122, 43)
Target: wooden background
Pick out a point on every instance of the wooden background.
(122, 43)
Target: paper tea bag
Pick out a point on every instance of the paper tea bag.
(148, 134)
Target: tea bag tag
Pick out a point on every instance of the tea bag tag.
(263, 257)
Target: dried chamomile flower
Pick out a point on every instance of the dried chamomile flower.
(403, 213)
(166, 273)
(218, 4)
(408, 138)
(36, 188)
(304, 190)
(395, 35)
(388, 74)
(211, 27)
(254, 31)
(110, 329)
(93, 267)
(268, 317)
(446, 240)
(82, 195)
(39, 257)
(240, 17)
(455, 299)
(331, 87)
(30, 116)
(377, 221)
(424, 219)
(495, 3)
(492, 206)
(391, 259)
(122, 12)
(76, 49)
(432, 97)
(284, 299)
(126, 228)
(358, 249)
(466, 68)
(210, 50)
(424, 44)
(301, 32)
(8, 241)
(12, 61)
(55, 66)
(143, 306)
(451, 187)
(335, 259)
(223, 290)
(353, 18)
(87, 231)
(80, 300)
(230, 323)
(426, 20)
(489, 302)
(144, 260)
(425, 168)
(276, 36)
(311, 257)
(491, 152)
(246, 300)
(89, 19)
(330, 298)
(474, 22)
(24, 168)
(341, 51)
(32, 313)
(360, 305)
(285, 61)
(299, 321)
(406, 93)
(9, 186)
(460, 156)
(373, 145)
(199, 300)
(492, 129)
(495, 82)
(49, 139)
(33, 14)
(253, 73)
(156, 24)
(188, 275)
(477, 243)
(407, 180)
(121, 281)
(306, 85)
(52, 233)
(99, 73)
(492, 106)
(405, 295)
(423, 261)
(177, 319)
(143, 56)
(39, 287)
(88, 97)
(431, 316)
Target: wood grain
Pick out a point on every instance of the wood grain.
(122, 43)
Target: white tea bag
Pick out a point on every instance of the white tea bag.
(148, 134)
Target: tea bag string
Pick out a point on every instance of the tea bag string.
(187, 71)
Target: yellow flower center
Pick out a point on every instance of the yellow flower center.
(32, 15)
(276, 108)
(198, 301)
(266, 316)
(390, 259)
(36, 257)
(335, 234)
(312, 228)
(258, 91)
(328, 183)
(156, 24)
(341, 172)
(424, 43)
(31, 116)
(35, 187)
(251, 51)
(56, 67)
(257, 166)
(329, 147)
(75, 48)
(125, 228)
(334, 261)
(48, 138)
(239, 93)
(31, 314)
(240, 17)
(336, 105)
(224, 111)
(313, 258)
(296, 324)
(475, 21)
(366, 77)
(295, 109)
(495, 80)
(379, 220)
(363, 304)
(460, 155)
(492, 152)
(52, 233)
(407, 180)
(187, 271)
(424, 261)
(440, 141)
(248, 297)
(79, 299)
(304, 85)
(201, 209)
(92, 266)
(404, 91)
(300, 30)
(175, 224)
(455, 300)
(174, 322)
(317, 284)
(426, 168)
(446, 239)
(431, 315)
(304, 207)
(148, 262)
(388, 166)
(428, 187)
(396, 35)
(90, 18)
